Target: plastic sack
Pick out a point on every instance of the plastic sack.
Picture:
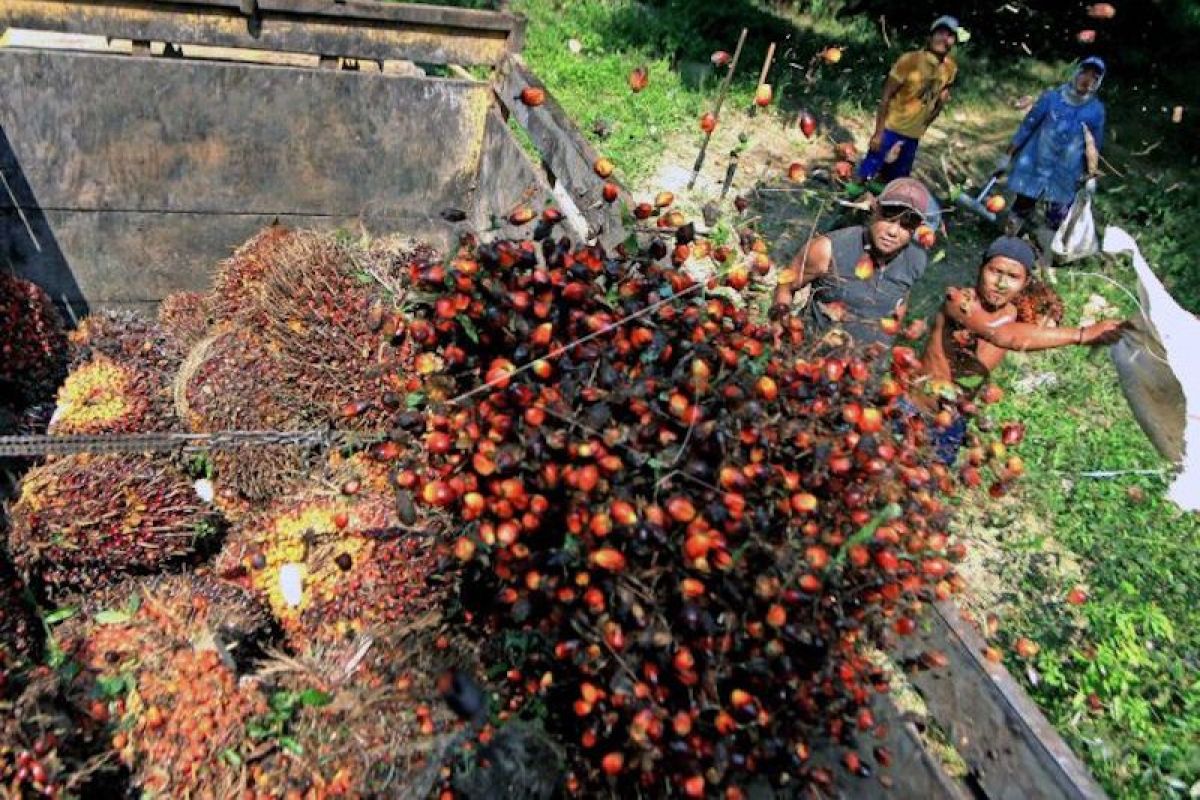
(1163, 341)
(1076, 238)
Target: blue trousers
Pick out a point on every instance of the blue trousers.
(873, 163)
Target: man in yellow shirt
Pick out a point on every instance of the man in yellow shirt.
(916, 90)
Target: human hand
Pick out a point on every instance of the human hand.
(1101, 333)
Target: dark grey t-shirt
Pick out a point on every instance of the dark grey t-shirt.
(864, 301)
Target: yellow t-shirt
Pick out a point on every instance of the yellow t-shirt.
(922, 77)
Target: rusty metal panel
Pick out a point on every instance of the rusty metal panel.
(1013, 752)
(369, 30)
(93, 132)
(569, 157)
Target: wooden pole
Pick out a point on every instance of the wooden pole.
(737, 53)
(762, 76)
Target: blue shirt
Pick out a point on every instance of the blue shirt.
(1051, 160)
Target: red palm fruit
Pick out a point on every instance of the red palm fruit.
(992, 394)
(1077, 596)
(797, 172)
(1026, 648)
(720, 58)
(438, 443)
(1012, 433)
(542, 335)
(905, 626)
(767, 388)
(803, 502)
(610, 192)
(612, 764)
(639, 78)
(1086, 36)
(521, 215)
(697, 545)
(763, 95)
(593, 598)
(663, 199)
(533, 96)
(691, 588)
(871, 420)
(738, 277)
(438, 493)
(607, 558)
(1101, 11)
(810, 583)
(681, 509)
(600, 525)
(341, 519)
(498, 373)
(777, 614)
(603, 167)
(808, 124)
(817, 556)
(708, 122)
(725, 723)
(694, 786)
(886, 560)
(859, 555)
(684, 661)
(623, 512)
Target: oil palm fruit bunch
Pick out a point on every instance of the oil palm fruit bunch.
(20, 630)
(331, 310)
(332, 566)
(82, 522)
(235, 294)
(156, 666)
(45, 749)
(361, 735)
(230, 381)
(694, 533)
(121, 359)
(185, 318)
(106, 396)
(33, 344)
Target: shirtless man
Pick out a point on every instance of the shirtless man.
(978, 326)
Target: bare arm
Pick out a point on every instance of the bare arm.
(889, 91)
(1027, 335)
(810, 263)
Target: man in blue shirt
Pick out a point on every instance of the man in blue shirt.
(1047, 154)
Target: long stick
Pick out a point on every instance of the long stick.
(737, 53)
(762, 76)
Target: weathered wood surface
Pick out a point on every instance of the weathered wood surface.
(1013, 752)
(94, 132)
(123, 167)
(369, 30)
(507, 179)
(130, 260)
(569, 157)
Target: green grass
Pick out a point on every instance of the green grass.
(1135, 643)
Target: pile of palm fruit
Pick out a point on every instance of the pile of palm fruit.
(590, 525)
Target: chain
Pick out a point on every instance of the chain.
(44, 445)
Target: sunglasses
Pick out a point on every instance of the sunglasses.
(906, 218)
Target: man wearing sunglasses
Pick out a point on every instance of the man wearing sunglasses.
(860, 276)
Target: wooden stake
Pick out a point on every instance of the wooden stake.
(762, 76)
(737, 53)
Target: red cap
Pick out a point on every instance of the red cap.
(909, 193)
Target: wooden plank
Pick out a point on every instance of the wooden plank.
(368, 30)
(1013, 752)
(569, 157)
(507, 179)
(93, 132)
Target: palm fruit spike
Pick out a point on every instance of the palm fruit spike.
(84, 521)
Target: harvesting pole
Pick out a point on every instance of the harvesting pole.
(737, 53)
